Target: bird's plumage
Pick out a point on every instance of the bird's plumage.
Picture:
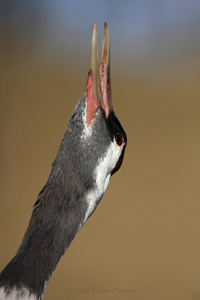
(91, 150)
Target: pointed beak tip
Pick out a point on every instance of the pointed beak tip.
(99, 80)
(94, 28)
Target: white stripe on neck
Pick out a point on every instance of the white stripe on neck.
(14, 294)
(101, 177)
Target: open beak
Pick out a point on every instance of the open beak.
(99, 80)
(105, 72)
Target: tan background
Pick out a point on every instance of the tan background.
(143, 241)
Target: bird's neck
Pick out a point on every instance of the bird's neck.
(57, 217)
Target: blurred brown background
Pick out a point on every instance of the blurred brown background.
(143, 241)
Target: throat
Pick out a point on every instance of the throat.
(94, 196)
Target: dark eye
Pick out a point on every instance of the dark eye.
(119, 139)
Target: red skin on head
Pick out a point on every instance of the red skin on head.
(91, 102)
